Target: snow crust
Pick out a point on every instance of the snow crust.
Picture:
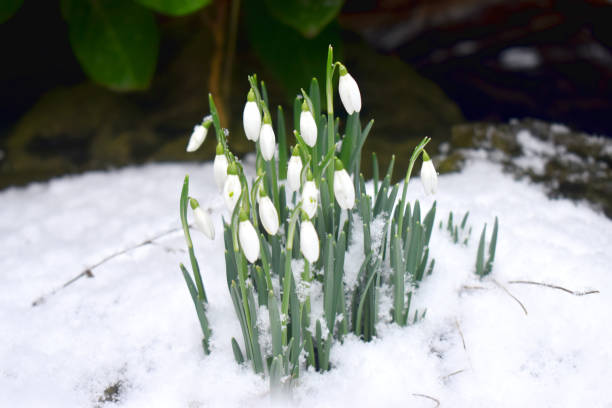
(134, 324)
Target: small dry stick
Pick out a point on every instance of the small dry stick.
(467, 287)
(88, 271)
(460, 333)
(446, 377)
(512, 296)
(428, 397)
(548, 285)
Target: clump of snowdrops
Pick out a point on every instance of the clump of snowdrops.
(290, 227)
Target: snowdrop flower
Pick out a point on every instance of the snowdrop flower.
(198, 136)
(251, 118)
(294, 171)
(309, 241)
(267, 140)
(429, 177)
(310, 198)
(249, 241)
(201, 219)
(220, 167)
(232, 187)
(344, 191)
(349, 91)
(308, 127)
(268, 215)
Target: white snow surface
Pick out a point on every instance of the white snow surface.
(134, 322)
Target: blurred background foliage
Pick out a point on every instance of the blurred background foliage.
(93, 84)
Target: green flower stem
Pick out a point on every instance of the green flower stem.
(271, 170)
(240, 264)
(329, 91)
(287, 278)
(402, 203)
(218, 130)
(192, 258)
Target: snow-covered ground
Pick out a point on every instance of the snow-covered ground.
(133, 323)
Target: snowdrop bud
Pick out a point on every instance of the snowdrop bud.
(232, 187)
(309, 241)
(220, 167)
(349, 91)
(344, 191)
(308, 127)
(268, 215)
(251, 118)
(267, 140)
(429, 177)
(310, 198)
(197, 137)
(202, 220)
(294, 171)
(249, 241)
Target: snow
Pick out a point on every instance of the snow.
(520, 58)
(134, 324)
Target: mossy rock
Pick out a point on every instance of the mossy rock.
(573, 164)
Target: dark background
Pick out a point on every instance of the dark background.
(423, 66)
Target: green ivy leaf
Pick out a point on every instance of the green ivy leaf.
(309, 17)
(174, 7)
(115, 41)
(8, 8)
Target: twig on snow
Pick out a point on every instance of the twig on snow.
(548, 285)
(512, 296)
(460, 334)
(88, 271)
(428, 397)
(446, 377)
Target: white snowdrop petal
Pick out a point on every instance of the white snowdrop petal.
(231, 191)
(309, 241)
(308, 128)
(197, 138)
(220, 170)
(203, 222)
(249, 242)
(429, 177)
(294, 173)
(251, 120)
(344, 191)
(268, 215)
(310, 198)
(267, 142)
(349, 93)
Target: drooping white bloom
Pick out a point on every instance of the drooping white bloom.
(220, 170)
(267, 142)
(308, 126)
(268, 215)
(231, 191)
(249, 242)
(429, 177)
(251, 118)
(310, 198)
(203, 222)
(294, 172)
(349, 92)
(309, 241)
(344, 191)
(197, 138)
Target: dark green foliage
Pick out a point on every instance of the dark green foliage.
(8, 8)
(115, 41)
(307, 17)
(174, 7)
